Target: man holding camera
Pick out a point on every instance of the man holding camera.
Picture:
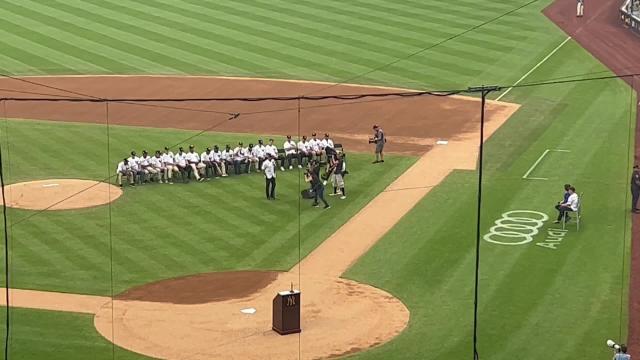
(378, 139)
(619, 351)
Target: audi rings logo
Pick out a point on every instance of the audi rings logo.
(516, 227)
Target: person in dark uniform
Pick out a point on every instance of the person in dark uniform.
(635, 189)
(312, 177)
(378, 139)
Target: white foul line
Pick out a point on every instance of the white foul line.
(536, 164)
(534, 68)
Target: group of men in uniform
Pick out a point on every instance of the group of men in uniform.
(164, 166)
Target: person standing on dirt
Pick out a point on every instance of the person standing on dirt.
(580, 8)
(379, 139)
(635, 189)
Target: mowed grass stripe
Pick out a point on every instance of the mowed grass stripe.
(191, 54)
(114, 40)
(208, 36)
(362, 45)
(298, 50)
(82, 32)
(80, 57)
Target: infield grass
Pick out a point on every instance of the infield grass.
(159, 231)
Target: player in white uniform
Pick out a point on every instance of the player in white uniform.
(290, 152)
(219, 164)
(206, 159)
(193, 159)
(252, 158)
(181, 162)
(239, 159)
(169, 163)
(146, 166)
(124, 169)
(261, 152)
(134, 163)
(327, 141)
(304, 151)
(157, 165)
(272, 150)
(315, 147)
(227, 157)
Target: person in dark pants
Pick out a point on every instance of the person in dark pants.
(635, 189)
(379, 139)
(568, 206)
(269, 169)
(317, 187)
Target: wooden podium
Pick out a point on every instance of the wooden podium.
(286, 312)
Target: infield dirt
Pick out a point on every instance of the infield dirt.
(339, 316)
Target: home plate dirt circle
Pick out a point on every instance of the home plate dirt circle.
(338, 317)
(60, 194)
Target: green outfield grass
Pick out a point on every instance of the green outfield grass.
(535, 303)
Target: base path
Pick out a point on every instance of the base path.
(602, 33)
(199, 317)
(60, 194)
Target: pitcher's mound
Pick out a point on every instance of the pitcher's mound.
(60, 194)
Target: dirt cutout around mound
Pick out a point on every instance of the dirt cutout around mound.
(339, 316)
(202, 288)
(602, 33)
(60, 194)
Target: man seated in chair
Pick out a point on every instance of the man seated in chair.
(571, 204)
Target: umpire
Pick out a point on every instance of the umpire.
(635, 189)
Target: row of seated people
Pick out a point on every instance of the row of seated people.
(162, 167)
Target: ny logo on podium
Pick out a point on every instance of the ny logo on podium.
(291, 301)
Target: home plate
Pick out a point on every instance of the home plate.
(442, 142)
(50, 185)
(250, 311)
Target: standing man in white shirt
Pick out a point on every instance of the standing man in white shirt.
(169, 162)
(290, 152)
(269, 169)
(570, 205)
(124, 169)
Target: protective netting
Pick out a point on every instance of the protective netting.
(455, 231)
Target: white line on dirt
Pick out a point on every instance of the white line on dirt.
(535, 67)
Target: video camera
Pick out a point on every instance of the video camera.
(621, 348)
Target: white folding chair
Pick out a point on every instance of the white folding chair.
(578, 214)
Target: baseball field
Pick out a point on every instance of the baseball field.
(188, 270)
